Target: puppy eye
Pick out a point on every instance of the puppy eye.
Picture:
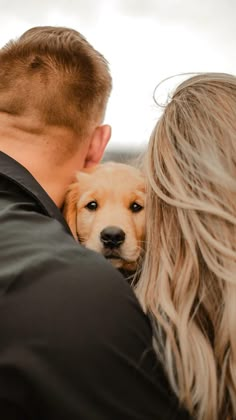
(135, 207)
(92, 205)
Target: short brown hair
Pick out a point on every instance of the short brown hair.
(55, 73)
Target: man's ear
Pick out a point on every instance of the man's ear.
(98, 143)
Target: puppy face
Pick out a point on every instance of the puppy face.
(105, 212)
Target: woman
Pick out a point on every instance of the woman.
(188, 282)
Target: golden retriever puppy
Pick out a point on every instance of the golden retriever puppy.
(105, 212)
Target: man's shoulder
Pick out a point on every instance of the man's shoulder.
(43, 266)
(52, 275)
(67, 308)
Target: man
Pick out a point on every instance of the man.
(74, 342)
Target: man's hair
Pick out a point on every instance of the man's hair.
(55, 74)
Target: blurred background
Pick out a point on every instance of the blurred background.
(145, 41)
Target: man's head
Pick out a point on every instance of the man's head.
(57, 74)
(54, 85)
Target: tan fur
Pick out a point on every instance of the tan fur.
(114, 187)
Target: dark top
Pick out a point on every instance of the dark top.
(74, 342)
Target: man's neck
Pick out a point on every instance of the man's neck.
(34, 150)
(52, 179)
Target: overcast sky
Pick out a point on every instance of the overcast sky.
(145, 41)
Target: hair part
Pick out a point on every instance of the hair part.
(188, 282)
(54, 73)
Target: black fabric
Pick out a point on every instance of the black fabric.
(74, 342)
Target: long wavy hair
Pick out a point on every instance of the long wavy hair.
(188, 281)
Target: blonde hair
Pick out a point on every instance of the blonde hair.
(188, 282)
(55, 73)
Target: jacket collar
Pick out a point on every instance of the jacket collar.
(18, 174)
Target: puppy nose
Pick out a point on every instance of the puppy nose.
(112, 237)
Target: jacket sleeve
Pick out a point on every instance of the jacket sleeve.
(76, 345)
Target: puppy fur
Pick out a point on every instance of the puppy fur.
(104, 209)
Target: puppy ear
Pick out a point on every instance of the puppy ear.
(70, 208)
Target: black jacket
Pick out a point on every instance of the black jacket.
(74, 343)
